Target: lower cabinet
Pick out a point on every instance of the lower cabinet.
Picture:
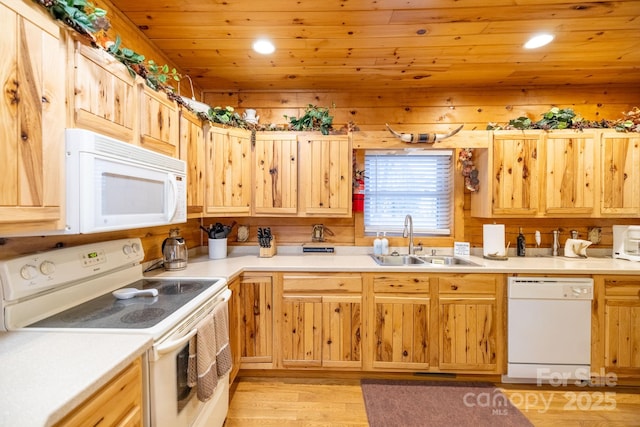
(320, 320)
(436, 322)
(234, 328)
(118, 403)
(471, 323)
(400, 318)
(393, 322)
(255, 318)
(616, 326)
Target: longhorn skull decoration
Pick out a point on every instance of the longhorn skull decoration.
(428, 138)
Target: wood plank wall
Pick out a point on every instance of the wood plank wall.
(420, 109)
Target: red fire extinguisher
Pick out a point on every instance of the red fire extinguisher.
(358, 195)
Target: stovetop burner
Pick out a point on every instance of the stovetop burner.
(141, 312)
(143, 315)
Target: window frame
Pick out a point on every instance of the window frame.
(459, 196)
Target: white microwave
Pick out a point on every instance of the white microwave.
(112, 185)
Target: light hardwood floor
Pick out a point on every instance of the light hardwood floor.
(313, 402)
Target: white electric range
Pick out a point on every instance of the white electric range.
(71, 289)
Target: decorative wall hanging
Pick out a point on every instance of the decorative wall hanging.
(469, 171)
(428, 138)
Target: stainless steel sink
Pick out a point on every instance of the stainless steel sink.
(447, 260)
(405, 259)
(398, 260)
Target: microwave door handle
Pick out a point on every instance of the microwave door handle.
(172, 345)
(174, 198)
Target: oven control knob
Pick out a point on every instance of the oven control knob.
(136, 248)
(47, 268)
(126, 249)
(28, 272)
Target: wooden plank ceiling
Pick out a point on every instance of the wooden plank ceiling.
(393, 44)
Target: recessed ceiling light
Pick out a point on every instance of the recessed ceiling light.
(538, 40)
(264, 46)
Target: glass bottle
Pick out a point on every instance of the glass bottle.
(521, 244)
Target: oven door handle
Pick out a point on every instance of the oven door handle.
(172, 345)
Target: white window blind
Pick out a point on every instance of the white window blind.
(418, 183)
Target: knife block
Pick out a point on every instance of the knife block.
(270, 251)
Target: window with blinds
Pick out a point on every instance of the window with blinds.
(419, 183)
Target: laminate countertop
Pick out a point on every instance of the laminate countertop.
(358, 260)
(45, 375)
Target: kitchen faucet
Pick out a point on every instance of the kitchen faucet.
(408, 232)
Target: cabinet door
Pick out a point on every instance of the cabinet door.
(192, 152)
(325, 175)
(33, 116)
(276, 174)
(104, 95)
(569, 179)
(159, 123)
(228, 172)
(234, 328)
(321, 330)
(255, 297)
(119, 403)
(401, 332)
(471, 329)
(301, 331)
(341, 326)
(401, 322)
(321, 320)
(620, 176)
(515, 174)
(616, 325)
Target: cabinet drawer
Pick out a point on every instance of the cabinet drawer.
(347, 283)
(119, 403)
(622, 287)
(402, 283)
(467, 284)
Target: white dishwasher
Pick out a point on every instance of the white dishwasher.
(549, 329)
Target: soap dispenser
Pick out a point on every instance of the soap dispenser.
(385, 244)
(377, 245)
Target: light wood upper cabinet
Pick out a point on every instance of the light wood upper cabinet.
(159, 124)
(325, 175)
(591, 173)
(228, 171)
(276, 174)
(569, 173)
(192, 151)
(510, 176)
(33, 116)
(620, 175)
(105, 95)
